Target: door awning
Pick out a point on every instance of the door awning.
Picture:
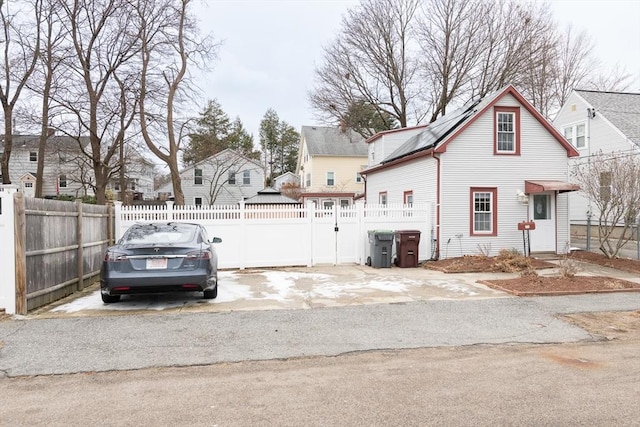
(532, 187)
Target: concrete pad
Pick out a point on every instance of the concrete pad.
(296, 288)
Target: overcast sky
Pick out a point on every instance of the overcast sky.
(270, 48)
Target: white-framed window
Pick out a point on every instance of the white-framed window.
(359, 178)
(232, 177)
(62, 181)
(345, 203)
(506, 132)
(576, 135)
(33, 156)
(308, 180)
(327, 204)
(408, 198)
(197, 177)
(483, 211)
(28, 185)
(246, 177)
(331, 179)
(198, 201)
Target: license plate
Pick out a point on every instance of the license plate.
(156, 263)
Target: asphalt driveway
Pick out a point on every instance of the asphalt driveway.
(296, 288)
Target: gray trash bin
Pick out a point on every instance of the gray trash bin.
(381, 243)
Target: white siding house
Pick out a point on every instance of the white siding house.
(598, 122)
(380, 145)
(225, 178)
(488, 166)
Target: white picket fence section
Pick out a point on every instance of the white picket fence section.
(289, 235)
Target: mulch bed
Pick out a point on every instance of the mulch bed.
(541, 286)
(480, 264)
(624, 264)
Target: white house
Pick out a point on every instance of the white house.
(225, 178)
(488, 166)
(594, 122)
(64, 168)
(286, 178)
(382, 144)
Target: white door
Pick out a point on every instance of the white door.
(28, 189)
(542, 211)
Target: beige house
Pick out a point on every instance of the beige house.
(329, 163)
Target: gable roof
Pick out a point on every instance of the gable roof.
(226, 151)
(621, 109)
(442, 131)
(333, 141)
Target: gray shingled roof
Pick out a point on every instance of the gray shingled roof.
(56, 142)
(332, 141)
(270, 196)
(621, 109)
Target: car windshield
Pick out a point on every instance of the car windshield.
(159, 234)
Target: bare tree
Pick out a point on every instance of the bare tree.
(169, 44)
(21, 46)
(612, 183)
(221, 169)
(372, 61)
(99, 31)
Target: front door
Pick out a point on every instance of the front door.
(542, 210)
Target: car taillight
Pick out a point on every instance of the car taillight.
(199, 255)
(113, 256)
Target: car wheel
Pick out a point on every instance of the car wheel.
(108, 299)
(211, 293)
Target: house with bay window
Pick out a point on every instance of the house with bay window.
(595, 121)
(486, 167)
(225, 178)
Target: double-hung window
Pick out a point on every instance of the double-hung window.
(507, 130)
(331, 180)
(246, 177)
(62, 181)
(382, 198)
(232, 177)
(576, 135)
(197, 177)
(483, 212)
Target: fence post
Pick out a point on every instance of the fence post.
(20, 230)
(311, 215)
(170, 204)
(243, 233)
(7, 261)
(117, 220)
(80, 252)
(361, 251)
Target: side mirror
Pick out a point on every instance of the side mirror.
(216, 240)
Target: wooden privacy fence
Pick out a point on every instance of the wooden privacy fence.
(58, 248)
(289, 235)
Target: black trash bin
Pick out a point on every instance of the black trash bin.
(407, 242)
(381, 243)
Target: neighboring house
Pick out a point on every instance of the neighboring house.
(598, 121)
(138, 177)
(286, 178)
(486, 167)
(62, 174)
(270, 196)
(384, 143)
(222, 179)
(329, 161)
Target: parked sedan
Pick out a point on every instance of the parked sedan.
(160, 257)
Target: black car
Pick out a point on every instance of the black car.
(160, 257)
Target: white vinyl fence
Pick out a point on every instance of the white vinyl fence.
(7, 249)
(289, 235)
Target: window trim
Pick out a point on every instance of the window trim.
(33, 156)
(574, 134)
(516, 131)
(333, 179)
(196, 176)
(231, 178)
(246, 177)
(62, 181)
(406, 195)
(195, 201)
(494, 211)
(386, 198)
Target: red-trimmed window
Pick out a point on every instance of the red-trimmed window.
(382, 198)
(483, 212)
(506, 130)
(408, 198)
